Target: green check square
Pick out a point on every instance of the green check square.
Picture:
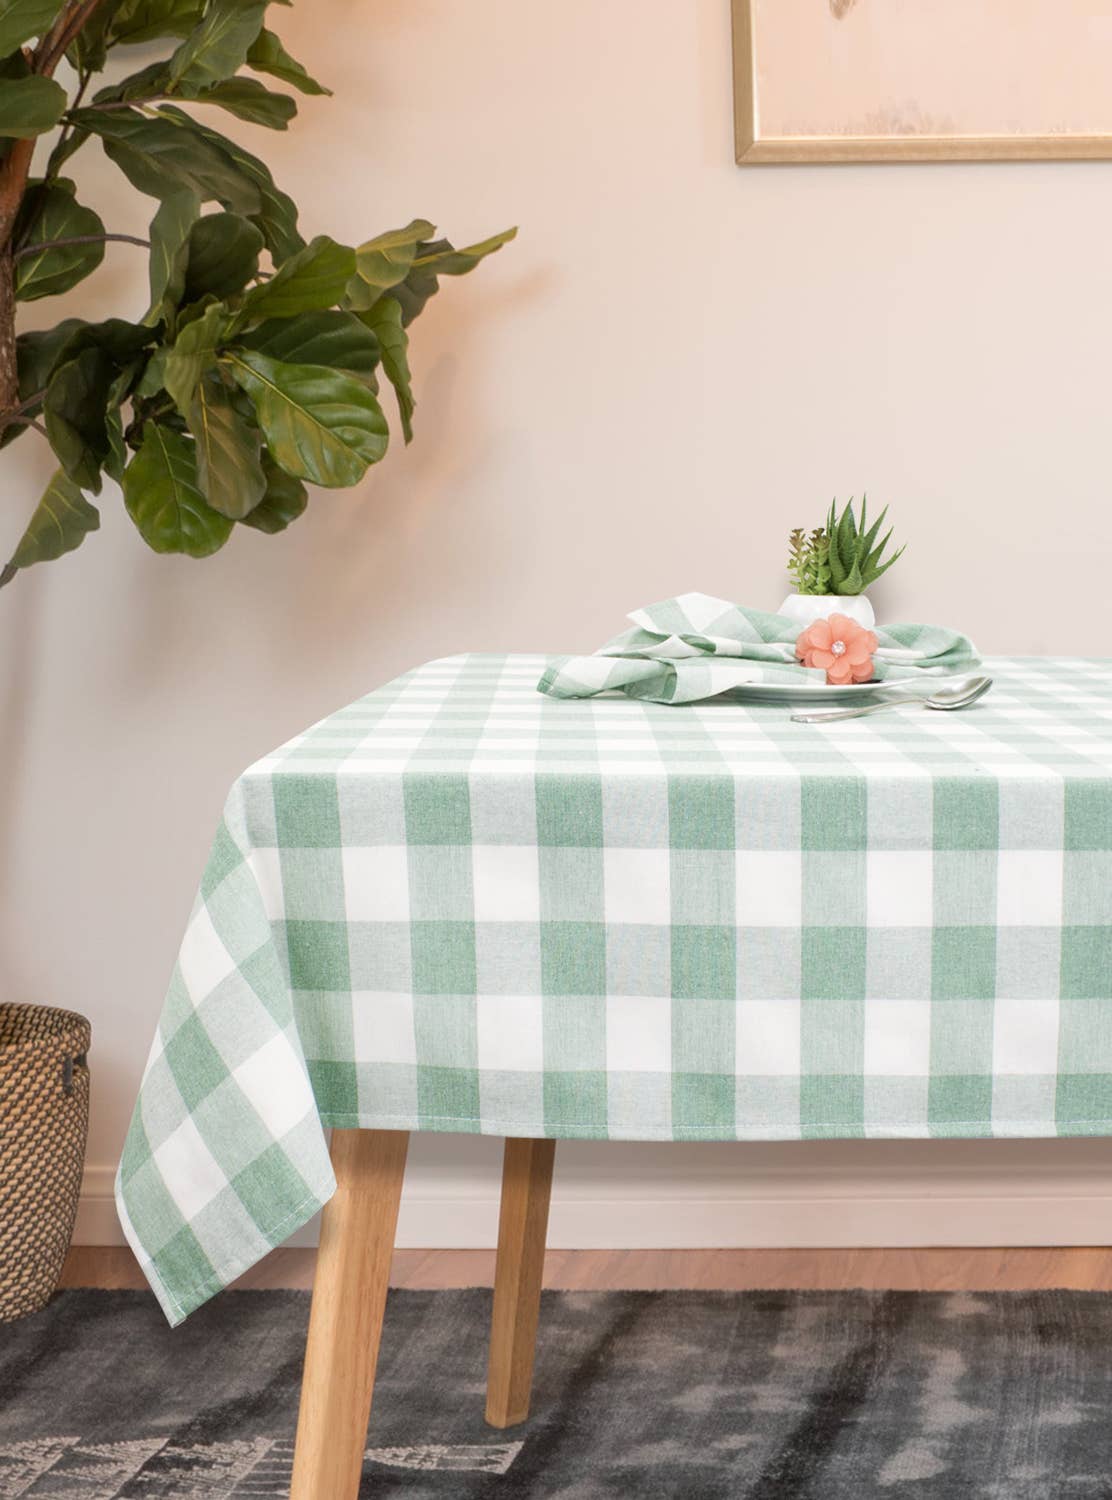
(834, 812)
(195, 1063)
(833, 963)
(573, 958)
(959, 1100)
(306, 811)
(700, 812)
(1083, 1104)
(704, 1036)
(224, 857)
(831, 1107)
(1086, 962)
(963, 963)
(318, 955)
(448, 1098)
(443, 956)
(966, 813)
(575, 1105)
(270, 1178)
(704, 963)
(335, 1086)
(704, 1104)
(1088, 813)
(181, 1263)
(437, 808)
(569, 811)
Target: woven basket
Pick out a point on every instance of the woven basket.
(44, 1118)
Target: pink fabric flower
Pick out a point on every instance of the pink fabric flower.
(841, 647)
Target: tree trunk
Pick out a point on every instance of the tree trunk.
(9, 376)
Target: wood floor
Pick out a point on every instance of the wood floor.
(725, 1270)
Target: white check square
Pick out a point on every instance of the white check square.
(376, 883)
(507, 882)
(768, 1038)
(205, 961)
(898, 1038)
(637, 886)
(382, 1027)
(276, 1086)
(899, 888)
(266, 866)
(510, 1033)
(769, 887)
(638, 1034)
(191, 1172)
(1025, 1036)
(1029, 887)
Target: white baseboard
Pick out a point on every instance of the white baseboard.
(750, 1215)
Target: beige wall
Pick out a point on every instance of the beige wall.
(677, 361)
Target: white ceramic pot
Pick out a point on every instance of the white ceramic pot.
(807, 608)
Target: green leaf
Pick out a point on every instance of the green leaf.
(313, 278)
(336, 339)
(449, 262)
(385, 318)
(319, 425)
(284, 501)
(170, 227)
(53, 213)
(28, 106)
(222, 256)
(218, 46)
(147, 20)
(164, 499)
(385, 261)
(74, 410)
(20, 20)
(151, 80)
(62, 520)
(267, 55)
(229, 472)
(434, 260)
(250, 101)
(195, 351)
(277, 214)
(164, 155)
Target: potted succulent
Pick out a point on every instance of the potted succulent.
(833, 565)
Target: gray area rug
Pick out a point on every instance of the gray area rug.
(751, 1396)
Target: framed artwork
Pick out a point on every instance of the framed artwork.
(922, 80)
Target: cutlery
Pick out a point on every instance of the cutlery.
(954, 695)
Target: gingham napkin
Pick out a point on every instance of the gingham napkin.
(696, 646)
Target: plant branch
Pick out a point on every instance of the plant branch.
(16, 411)
(62, 34)
(54, 160)
(80, 239)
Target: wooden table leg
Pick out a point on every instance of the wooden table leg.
(345, 1323)
(522, 1226)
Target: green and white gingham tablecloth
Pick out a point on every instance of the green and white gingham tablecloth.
(460, 905)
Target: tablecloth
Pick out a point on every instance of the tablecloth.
(458, 905)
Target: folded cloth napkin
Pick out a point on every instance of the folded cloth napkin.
(695, 647)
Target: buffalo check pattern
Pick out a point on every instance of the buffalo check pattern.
(460, 905)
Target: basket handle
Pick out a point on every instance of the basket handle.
(68, 1065)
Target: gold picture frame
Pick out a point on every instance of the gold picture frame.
(761, 146)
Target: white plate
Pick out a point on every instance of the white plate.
(825, 692)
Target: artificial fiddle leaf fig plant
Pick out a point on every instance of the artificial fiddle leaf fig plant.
(256, 367)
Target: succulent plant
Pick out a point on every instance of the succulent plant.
(808, 561)
(853, 552)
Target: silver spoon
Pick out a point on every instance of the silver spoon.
(953, 695)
